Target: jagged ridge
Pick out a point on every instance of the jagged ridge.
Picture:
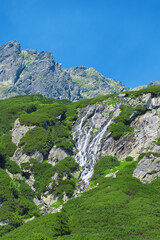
(30, 72)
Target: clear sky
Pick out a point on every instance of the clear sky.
(120, 38)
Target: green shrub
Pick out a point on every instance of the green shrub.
(44, 171)
(103, 164)
(157, 142)
(62, 226)
(66, 165)
(129, 158)
(154, 90)
(3, 156)
(8, 144)
(12, 108)
(26, 191)
(12, 166)
(39, 236)
(14, 188)
(26, 165)
(66, 186)
(124, 116)
(5, 229)
(36, 139)
(5, 193)
(140, 109)
(119, 129)
(147, 154)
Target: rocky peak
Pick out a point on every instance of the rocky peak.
(30, 72)
(10, 48)
(92, 83)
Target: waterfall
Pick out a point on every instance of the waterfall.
(88, 143)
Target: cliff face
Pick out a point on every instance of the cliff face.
(94, 140)
(92, 83)
(30, 72)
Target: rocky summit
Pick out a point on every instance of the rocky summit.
(29, 72)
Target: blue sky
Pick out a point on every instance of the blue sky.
(120, 38)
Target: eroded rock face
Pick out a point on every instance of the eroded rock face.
(147, 130)
(148, 169)
(30, 72)
(155, 103)
(56, 155)
(20, 157)
(19, 131)
(92, 83)
(93, 140)
(11, 63)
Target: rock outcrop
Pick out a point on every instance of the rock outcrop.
(20, 157)
(92, 83)
(56, 155)
(19, 131)
(30, 72)
(148, 169)
(93, 138)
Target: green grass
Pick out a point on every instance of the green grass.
(104, 163)
(119, 208)
(115, 209)
(9, 146)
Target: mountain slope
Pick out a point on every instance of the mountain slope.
(52, 150)
(92, 83)
(118, 208)
(30, 72)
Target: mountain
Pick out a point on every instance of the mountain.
(97, 161)
(152, 83)
(92, 83)
(29, 72)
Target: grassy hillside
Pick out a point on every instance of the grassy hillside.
(114, 209)
(118, 208)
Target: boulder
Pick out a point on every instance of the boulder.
(56, 155)
(148, 169)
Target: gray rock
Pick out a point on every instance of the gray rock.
(30, 219)
(20, 157)
(55, 177)
(56, 155)
(93, 140)
(146, 100)
(92, 83)
(147, 169)
(11, 63)
(155, 103)
(30, 180)
(30, 72)
(19, 131)
(49, 199)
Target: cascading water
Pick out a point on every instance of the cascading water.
(89, 143)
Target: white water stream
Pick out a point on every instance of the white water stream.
(88, 143)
